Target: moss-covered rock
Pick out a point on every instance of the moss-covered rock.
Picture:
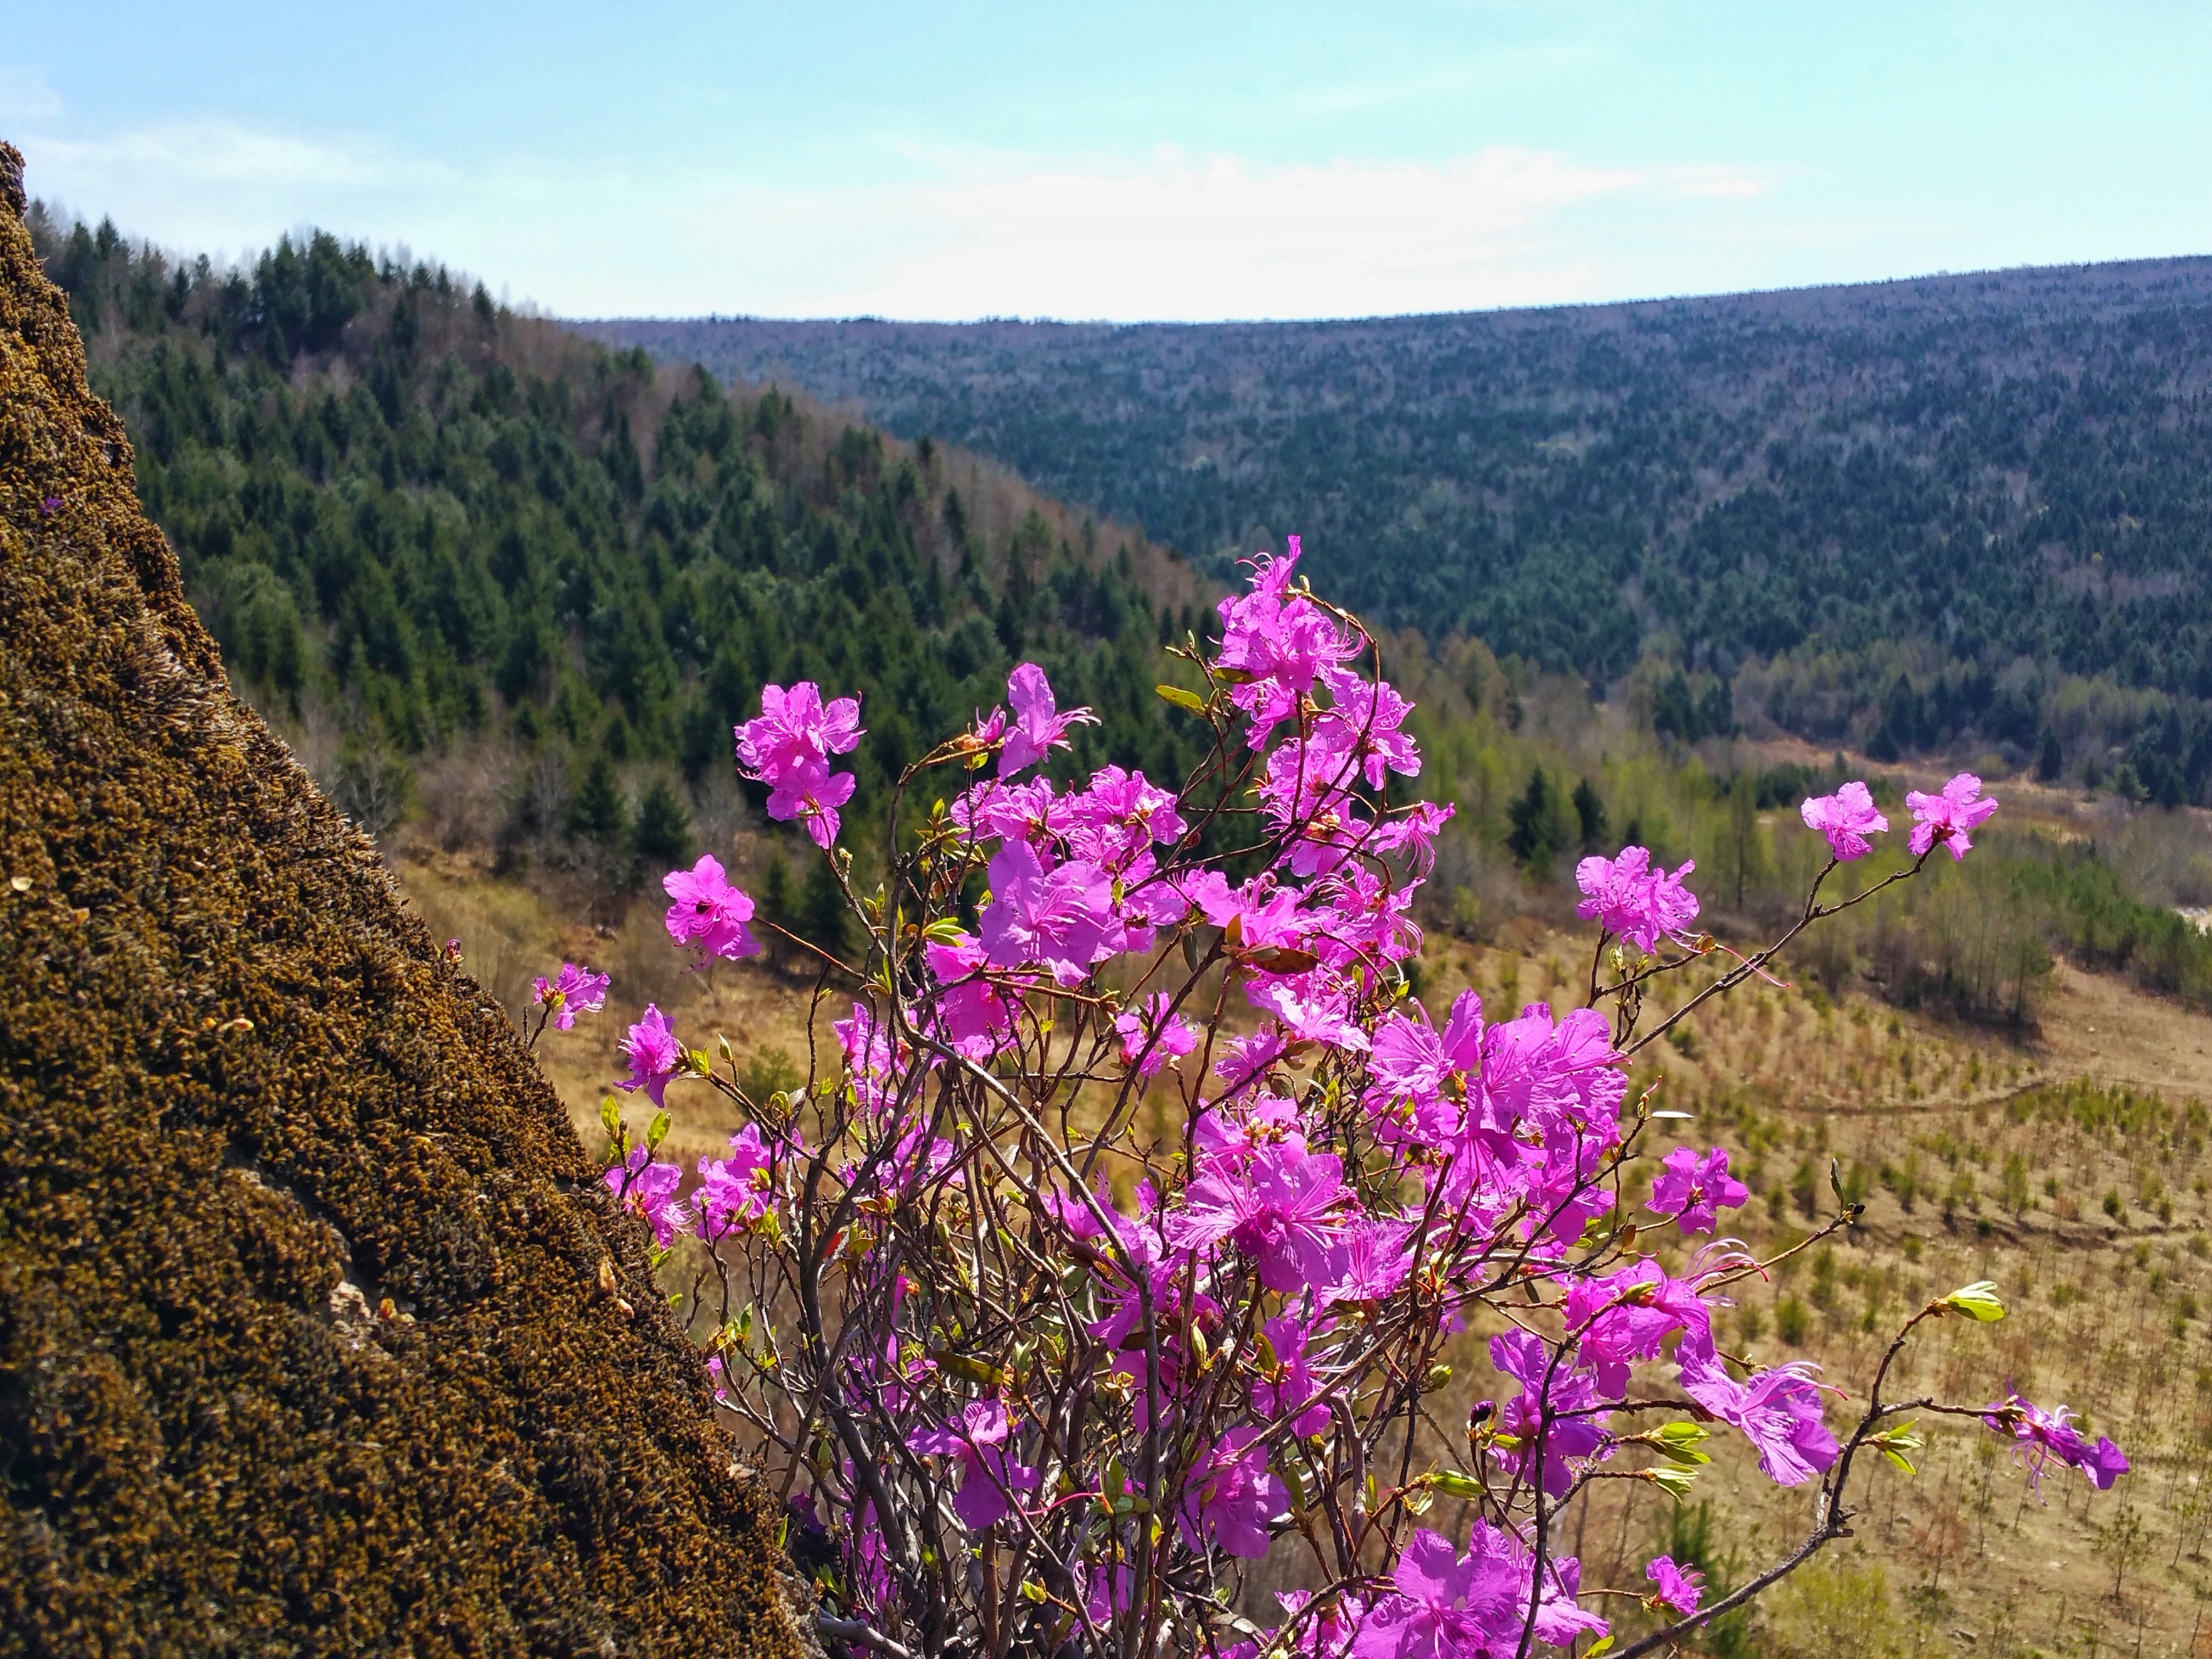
(306, 1337)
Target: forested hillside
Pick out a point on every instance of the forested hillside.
(430, 533)
(1963, 513)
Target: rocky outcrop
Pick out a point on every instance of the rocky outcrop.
(314, 1328)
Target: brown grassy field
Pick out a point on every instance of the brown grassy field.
(1977, 1157)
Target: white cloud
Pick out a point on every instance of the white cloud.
(1178, 236)
(1169, 235)
(25, 96)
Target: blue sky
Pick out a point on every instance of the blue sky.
(1133, 161)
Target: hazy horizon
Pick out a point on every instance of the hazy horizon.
(1137, 163)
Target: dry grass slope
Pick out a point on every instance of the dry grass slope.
(302, 1343)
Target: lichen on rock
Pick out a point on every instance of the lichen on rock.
(303, 1344)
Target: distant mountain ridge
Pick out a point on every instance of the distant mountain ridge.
(1981, 485)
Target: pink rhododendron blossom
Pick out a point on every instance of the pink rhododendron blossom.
(1675, 1589)
(1275, 643)
(1777, 1410)
(1693, 1188)
(1292, 1384)
(1232, 1497)
(1153, 1034)
(1371, 1261)
(734, 1191)
(1577, 1430)
(2041, 1436)
(1623, 1319)
(812, 795)
(1281, 1209)
(788, 749)
(708, 913)
(571, 992)
(1057, 918)
(988, 1475)
(796, 731)
(1632, 897)
(1946, 818)
(654, 1055)
(977, 1014)
(1314, 1008)
(1446, 1606)
(1038, 726)
(1846, 818)
(650, 1189)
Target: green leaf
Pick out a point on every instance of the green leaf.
(656, 1132)
(1674, 1482)
(1978, 1301)
(1896, 1443)
(1597, 1647)
(1681, 1441)
(1181, 698)
(610, 1117)
(1452, 1484)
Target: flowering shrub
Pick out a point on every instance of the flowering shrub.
(1126, 1237)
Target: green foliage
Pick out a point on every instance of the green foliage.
(1541, 827)
(1970, 490)
(393, 499)
(662, 835)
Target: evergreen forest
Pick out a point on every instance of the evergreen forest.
(425, 527)
(1946, 516)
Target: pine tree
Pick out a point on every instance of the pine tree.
(662, 837)
(1540, 828)
(1589, 811)
(596, 811)
(824, 921)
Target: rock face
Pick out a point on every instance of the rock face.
(304, 1346)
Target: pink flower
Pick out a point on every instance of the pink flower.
(572, 991)
(1675, 1589)
(2042, 1435)
(1315, 1007)
(1231, 1497)
(654, 1055)
(796, 730)
(734, 1190)
(1778, 1411)
(1280, 1209)
(1623, 1319)
(1038, 726)
(650, 1188)
(1056, 917)
(709, 914)
(812, 795)
(1846, 818)
(1632, 897)
(1946, 818)
(1295, 1386)
(976, 1013)
(1446, 1608)
(1371, 1261)
(1275, 643)
(1151, 1035)
(788, 749)
(1693, 1187)
(989, 1476)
